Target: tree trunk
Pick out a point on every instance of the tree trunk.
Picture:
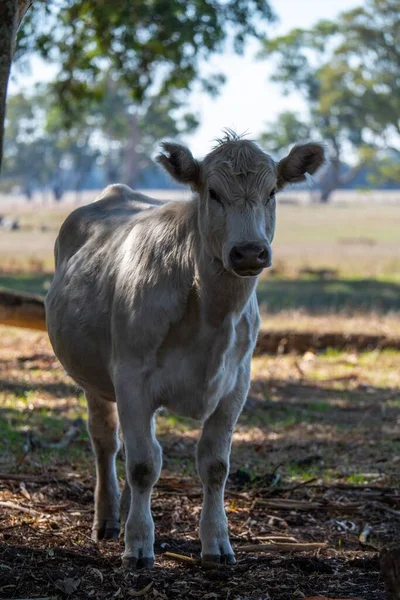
(131, 158)
(330, 181)
(11, 15)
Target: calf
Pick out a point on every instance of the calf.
(155, 305)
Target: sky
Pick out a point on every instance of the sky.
(248, 100)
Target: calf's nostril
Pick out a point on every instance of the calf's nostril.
(263, 255)
(236, 255)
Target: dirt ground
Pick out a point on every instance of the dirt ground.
(315, 459)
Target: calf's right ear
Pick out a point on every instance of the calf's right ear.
(302, 159)
(178, 161)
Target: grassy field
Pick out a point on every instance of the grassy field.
(320, 431)
(355, 241)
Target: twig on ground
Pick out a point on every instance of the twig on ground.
(13, 506)
(355, 488)
(391, 511)
(277, 538)
(192, 562)
(364, 535)
(288, 504)
(283, 547)
(296, 486)
(31, 478)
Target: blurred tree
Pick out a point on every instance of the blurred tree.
(153, 46)
(112, 133)
(130, 131)
(348, 73)
(31, 157)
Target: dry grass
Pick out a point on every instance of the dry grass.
(356, 240)
(362, 323)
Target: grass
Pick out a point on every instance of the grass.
(356, 243)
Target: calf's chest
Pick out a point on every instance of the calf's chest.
(197, 366)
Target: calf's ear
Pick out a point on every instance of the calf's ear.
(178, 161)
(302, 159)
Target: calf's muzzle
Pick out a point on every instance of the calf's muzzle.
(250, 259)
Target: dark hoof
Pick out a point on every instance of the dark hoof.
(131, 563)
(225, 559)
(111, 534)
(212, 558)
(146, 563)
(228, 559)
(101, 532)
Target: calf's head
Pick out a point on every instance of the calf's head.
(236, 184)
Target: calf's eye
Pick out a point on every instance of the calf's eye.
(214, 196)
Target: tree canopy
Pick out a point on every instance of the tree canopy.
(112, 134)
(152, 46)
(348, 73)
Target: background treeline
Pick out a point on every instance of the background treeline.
(124, 76)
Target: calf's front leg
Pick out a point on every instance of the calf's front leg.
(143, 467)
(213, 465)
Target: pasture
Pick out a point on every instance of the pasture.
(315, 457)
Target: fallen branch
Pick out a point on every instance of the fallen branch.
(283, 547)
(355, 488)
(13, 506)
(27, 310)
(364, 535)
(288, 504)
(192, 562)
(278, 538)
(36, 598)
(296, 486)
(22, 310)
(33, 478)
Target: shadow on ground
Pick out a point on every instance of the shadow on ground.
(313, 294)
(318, 296)
(344, 429)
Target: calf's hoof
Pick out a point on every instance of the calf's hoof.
(132, 563)
(105, 531)
(224, 559)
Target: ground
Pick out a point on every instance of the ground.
(322, 431)
(315, 456)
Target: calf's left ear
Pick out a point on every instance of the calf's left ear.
(302, 159)
(180, 164)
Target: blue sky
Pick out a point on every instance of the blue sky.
(247, 100)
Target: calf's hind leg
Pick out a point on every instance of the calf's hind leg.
(103, 430)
